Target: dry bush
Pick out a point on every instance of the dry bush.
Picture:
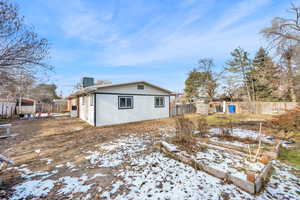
(202, 126)
(287, 122)
(184, 135)
(184, 130)
(226, 132)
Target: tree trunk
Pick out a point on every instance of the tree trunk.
(291, 80)
(20, 104)
(253, 90)
(246, 84)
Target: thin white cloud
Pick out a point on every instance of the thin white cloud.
(239, 11)
(165, 37)
(183, 43)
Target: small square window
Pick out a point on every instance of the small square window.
(140, 87)
(125, 102)
(159, 102)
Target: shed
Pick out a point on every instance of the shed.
(101, 105)
(28, 106)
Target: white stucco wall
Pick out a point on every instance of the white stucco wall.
(132, 89)
(86, 111)
(108, 113)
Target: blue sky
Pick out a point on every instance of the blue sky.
(154, 40)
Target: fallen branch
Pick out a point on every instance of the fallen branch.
(5, 159)
(258, 150)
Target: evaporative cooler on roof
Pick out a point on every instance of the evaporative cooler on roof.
(87, 81)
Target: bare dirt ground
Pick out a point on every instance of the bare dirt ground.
(41, 145)
(65, 158)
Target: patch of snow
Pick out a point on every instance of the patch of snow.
(283, 184)
(24, 172)
(87, 197)
(116, 186)
(226, 162)
(49, 161)
(78, 128)
(169, 146)
(242, 133)
(37, 151)
(74, 185)
(37, 174)
(97, 175)
(167, 132)
(235, 143)
(34, 188)
(110, 146)
(157, 177)
(59, 166)
(44, 115)
(70, 165)
(123, 148)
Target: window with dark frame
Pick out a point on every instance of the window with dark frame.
(159, 102)
(140, 87)
(125, 102)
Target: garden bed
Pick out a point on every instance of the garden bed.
(230, 166)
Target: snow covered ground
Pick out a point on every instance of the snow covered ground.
(235, 143)
(232, 164)
(242, 133)
(115, 152)
(157, 177)
(141, 175)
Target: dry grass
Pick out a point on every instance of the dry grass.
(287, 122)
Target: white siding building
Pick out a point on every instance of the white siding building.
(121, 103)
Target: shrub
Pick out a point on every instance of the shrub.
(202, 126)
(288, 122)
(184, 128)
(226, 132)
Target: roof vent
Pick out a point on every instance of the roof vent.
(87, 81)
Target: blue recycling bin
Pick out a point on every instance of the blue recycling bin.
(231, 108)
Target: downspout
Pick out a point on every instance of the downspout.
(95, 109)
(78, 104)
(169, 107)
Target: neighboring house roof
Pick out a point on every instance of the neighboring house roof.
(94, 88)
(26, 102)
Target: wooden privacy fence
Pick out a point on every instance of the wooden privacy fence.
(182, 109)
(264, 107)
(7, 109)
(253, 107)
(50, 108)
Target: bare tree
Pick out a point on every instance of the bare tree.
(206, 66)
(284, 36)
(22, 52)
(230, 87)
(284, 29)
(202, 81)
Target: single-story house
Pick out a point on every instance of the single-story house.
(110, 104)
